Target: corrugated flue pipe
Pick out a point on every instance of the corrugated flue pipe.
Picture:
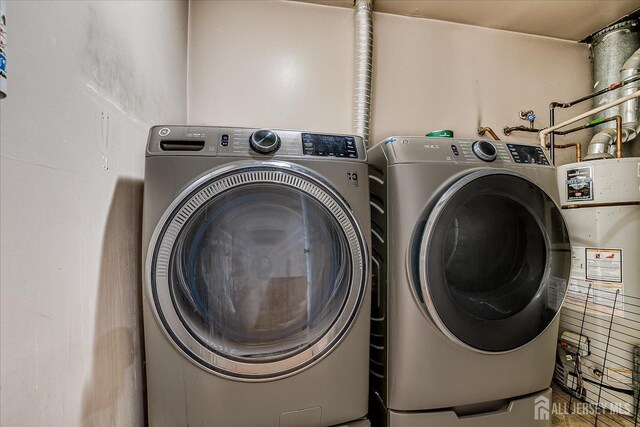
(601, 145)
(629, 110)
(610, 48)
(363, 69)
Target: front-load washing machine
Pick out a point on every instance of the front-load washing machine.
(470, 261)
(256, 291)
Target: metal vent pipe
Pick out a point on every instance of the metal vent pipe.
(363, 69)
(601, 145)
(629, 110)
(612, 49)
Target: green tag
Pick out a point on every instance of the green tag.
(444, 133)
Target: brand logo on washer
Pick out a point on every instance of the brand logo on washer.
(164, 131)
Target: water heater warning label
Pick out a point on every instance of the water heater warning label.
(579, 184)
(596, 280)
(604, 264)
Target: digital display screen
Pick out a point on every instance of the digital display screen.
(329, 145)
(527, 154)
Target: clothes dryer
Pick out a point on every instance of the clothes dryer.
(471, 259)
(256, 280)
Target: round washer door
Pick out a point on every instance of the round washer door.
(494, 260)
(257, 270)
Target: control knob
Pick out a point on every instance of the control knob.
(484, 150)
(264, 141)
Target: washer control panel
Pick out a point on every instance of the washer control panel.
(254, 143)
(264, 141)
(314, 144)
(257, 142)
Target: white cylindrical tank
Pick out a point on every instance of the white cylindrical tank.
(600, 203)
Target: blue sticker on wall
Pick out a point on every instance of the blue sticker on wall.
(3, 63)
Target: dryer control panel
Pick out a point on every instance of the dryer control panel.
(527, 154)
(419, 149)
(479, 151)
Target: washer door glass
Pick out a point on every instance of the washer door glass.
(494, 261)
(258, 271)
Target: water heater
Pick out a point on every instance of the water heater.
(600, 202)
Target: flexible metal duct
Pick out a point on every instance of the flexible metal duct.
(363, 69)
(629, 110)
(610, 50)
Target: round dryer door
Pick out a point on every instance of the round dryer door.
(257, 270)
(494, 260)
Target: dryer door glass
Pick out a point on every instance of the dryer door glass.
(262, 269)
(494, 261)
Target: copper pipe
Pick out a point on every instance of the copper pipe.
(521, 128)
(601, 205)
(573, 144)
(618, 137)
(552, 137)
(614, 86)
(555, 105)
(523, 114)
(482, 130)
(546, 131)
(593, 123)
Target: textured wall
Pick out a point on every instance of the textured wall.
(86, 81)
(291, 65)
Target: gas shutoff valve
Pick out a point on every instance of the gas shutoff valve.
(529, 116)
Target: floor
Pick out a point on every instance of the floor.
(608, 419)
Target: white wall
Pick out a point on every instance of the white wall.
(265, 63)
(452, 76)
(86, 81)
(287, 64)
